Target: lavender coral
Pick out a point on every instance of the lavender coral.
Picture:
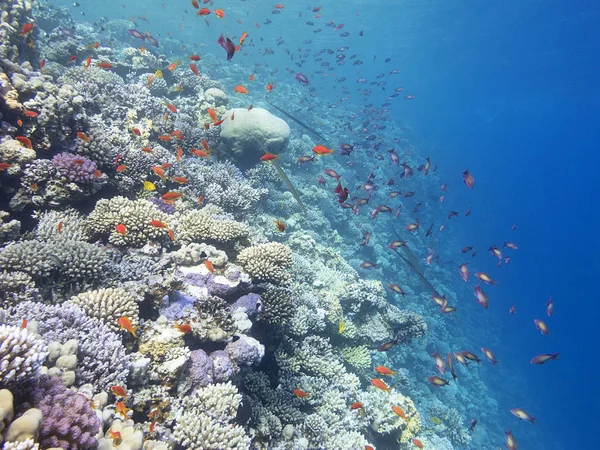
(68, 421)
(75, 168)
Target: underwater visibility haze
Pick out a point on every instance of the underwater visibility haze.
(238, 224)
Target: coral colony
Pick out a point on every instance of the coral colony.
(177, 273)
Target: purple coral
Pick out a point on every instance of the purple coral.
(75, 167)
(224, 368)
(250, 303)
(163, 206)
(201, 369)
(68, 421)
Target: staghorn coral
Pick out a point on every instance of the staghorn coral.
(21, 355)
(69, 422)
(48, 225)
(31, 257)
(136, 215)
(107, 305)
(78, 261)
(278, 305)
(267, 262)
(204, 420)
(199, 226)
(101, 357)
(313, 356)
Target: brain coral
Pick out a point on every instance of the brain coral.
(107, 305)
(267, 262)
(136, 215)
(21, 355)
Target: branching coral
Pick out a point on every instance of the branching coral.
(21, 355)
(199, 226)
(108, 305)
(204, 420)
(135, 215)
(267, 262)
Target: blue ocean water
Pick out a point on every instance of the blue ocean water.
(507, 90)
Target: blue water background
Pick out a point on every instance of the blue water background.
(509, 90)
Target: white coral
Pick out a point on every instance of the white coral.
(21, 354)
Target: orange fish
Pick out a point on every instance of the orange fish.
(243, 37)
(126, 325)
(83, 136)
(209, 266)
(78, 161)
(171, 195)
(164, 138)
(157, 224)
(97, 174)
(269, 87)
(216, 124)
(93, 45)
(205, 145)
(380, 384)
(120, 408)
(179, 154)
(180, 180)
(268, 157)
(42, 64)
(31, 114)
(34, 187)
(382, 370)
(241, 89)
(118, 391)
(322, 150)
(26, 29)
(172, 67)
(195, 57)
(19, 122)
(166, 165)
(59, 227)
(142, 49)
(212, 114)
(357, 405)
(121, 168)
(203, 12)
(104, 65)
(200, 153)
(121, 229)
(171, 107)
(368, 447)
(251, 77)
(88, 61)
(185, 328)
(280, 225)
(171, 235)
(147, 149)
(150, 80)
(399, 412)
(136, 131)
(278, 6)
(4, 166)
(233, 115)
(200, 200)
(24, 324)
(195, 69)
(24, 141)
(417, 442)
(300, 393)
(219, 13)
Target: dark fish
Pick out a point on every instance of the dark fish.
(152, 41)
(227, 45)
(387, 345)
(342, 193)
(137, 34)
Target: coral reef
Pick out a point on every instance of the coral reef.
(107, 305)
(21, 355)
(267, 262)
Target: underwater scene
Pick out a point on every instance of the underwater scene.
(249, 225)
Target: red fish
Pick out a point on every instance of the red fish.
(24, 141)
(195, 69)
(203, 12)
(268, 157)
(382, 370)
(171, 107)
(119, 391)
(157, 224)
(300, 393)
(83, 136)
(171, 235)
(544, 357)
(417, 442)
(42, 64)
(380, 384)
(241, 90)
(322, 150)
(104, 65)
(213, 115)
(121, 168)
(209, 266)
(121, 409)
(200, 153)
(357, 405)
(280, 225)
(195, 57)
(185, 328)
(121, 229)
(180, 180)
(126, 325)
(171, 196)
(26, 29)
(269, 87)
(219, 13)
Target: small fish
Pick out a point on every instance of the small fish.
(368, 265)
(121, 409)
(158, 224)
(544, 357)
(171, 235)
(200, 153)
(42, 64)
(380, 384)
(472, 425)
(541, 326)
(149, 186)
(304, 159)
(341, 327)
(126, 325)
(523, 415)
(171, 107)
(439, 363)
(485, 278)
(104, 65)
(399, 412)
(185, 328)
(513, 309)
(435, 420)
(357, 405)
(269, 87)
(489, 355)
(397, 289)
(468, 179)
(24, 141)
(119, 391)
(417, 443)
(171, 196)
(464, 272)
(481, 297)
(59, 227)
(159, 171)
(180, 180)
(241, 90)
(332, 173)
(194, 69)
(83, 136)
(280, 225)
(121, 229)
(300, 393)
(511, 444)
(209, 266)
(121, 168)
(268, 157)
(437, 381)
(382, 370)
(195, 57)
(31, 114)
(550, 307)
(203, 12)
(322, 150)
(219, 13)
